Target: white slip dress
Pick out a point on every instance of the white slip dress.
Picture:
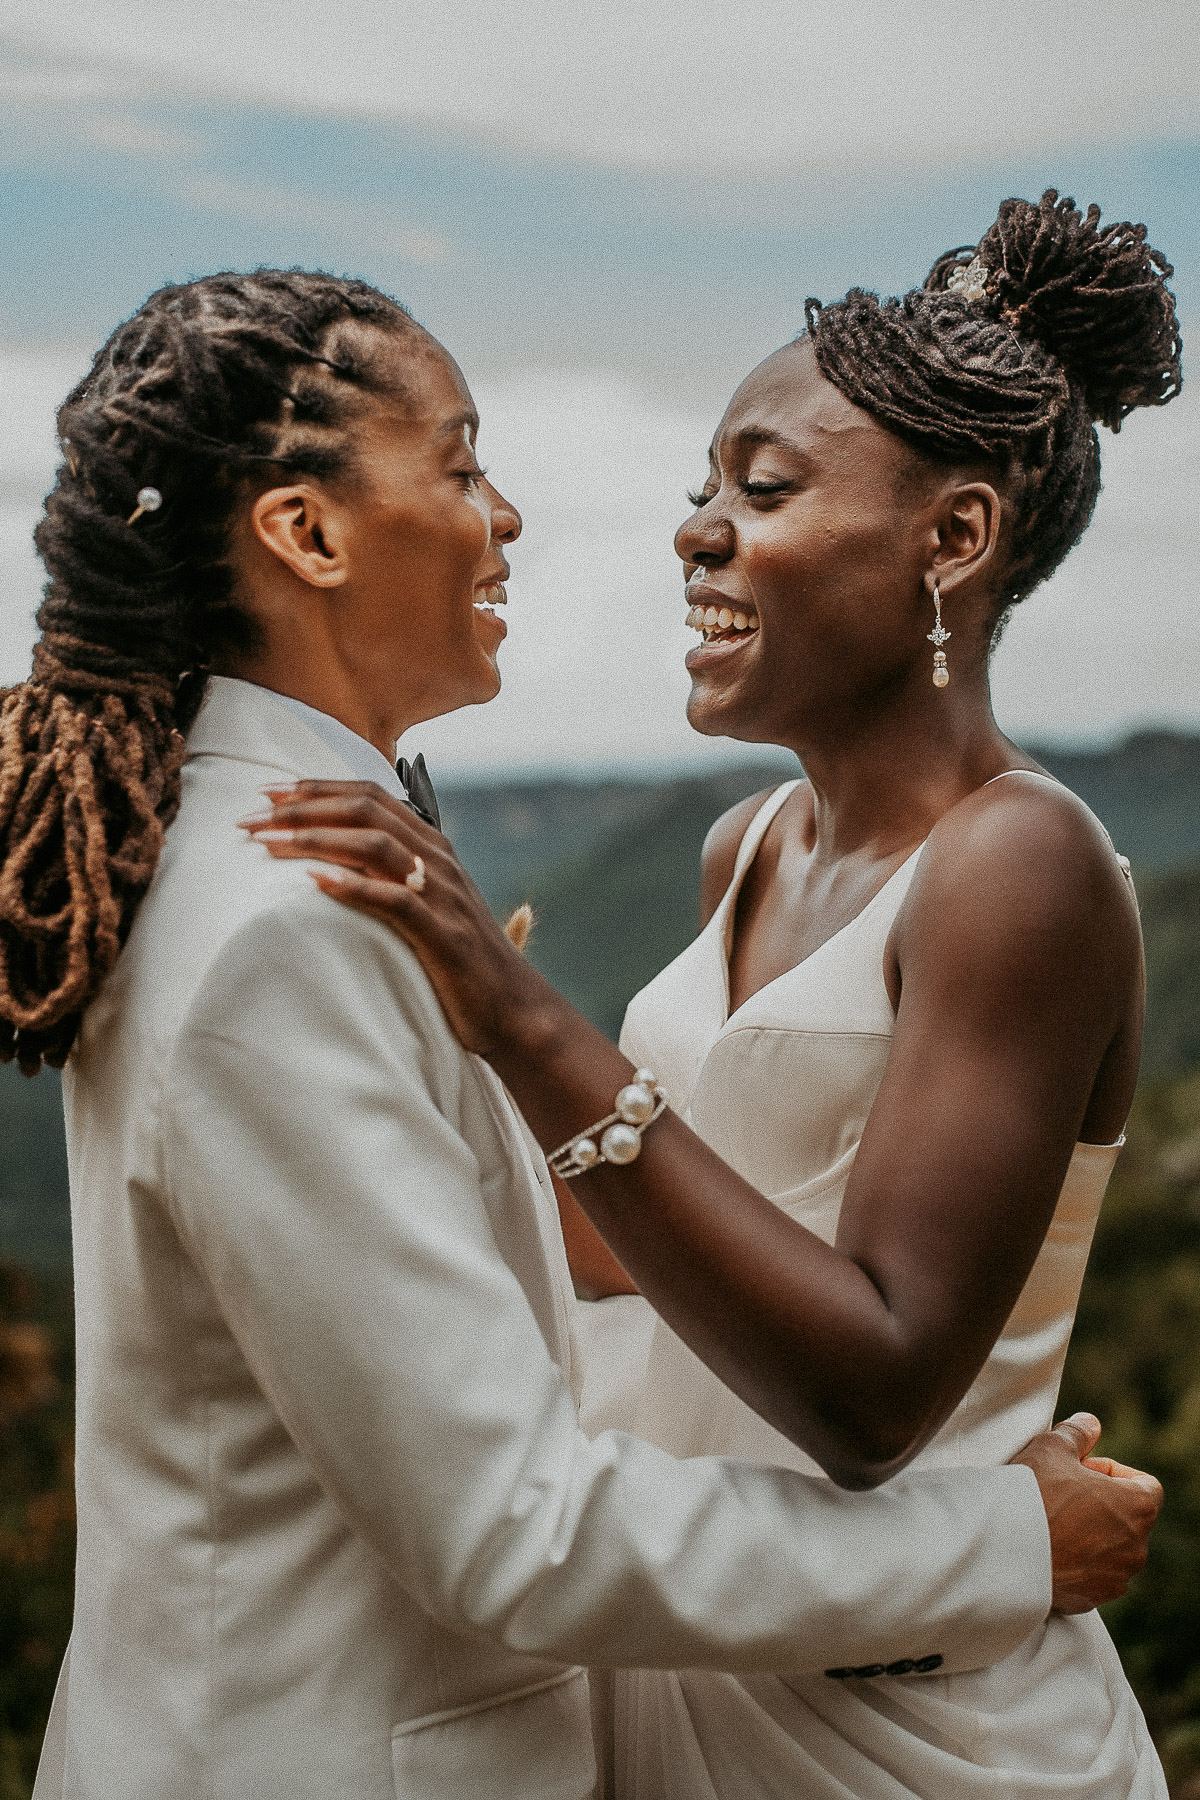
(782, 1090)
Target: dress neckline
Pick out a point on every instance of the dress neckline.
(723, 918)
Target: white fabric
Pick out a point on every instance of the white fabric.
(782, 1090)
(339, 1530)
(367, 762)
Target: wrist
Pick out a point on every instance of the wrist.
(534, 1025)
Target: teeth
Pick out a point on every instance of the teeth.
(711, 618)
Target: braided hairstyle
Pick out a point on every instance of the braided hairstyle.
(211, 386)
(1011, 353)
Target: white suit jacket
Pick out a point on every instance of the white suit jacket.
(340, 1533)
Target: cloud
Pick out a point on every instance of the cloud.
(701, 84)
(373, 228)
(128, 135)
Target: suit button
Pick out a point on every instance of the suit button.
(838, 1674)
(905, 1666)
(869, 1671)
(927, 1665)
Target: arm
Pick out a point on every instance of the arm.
(331, 1166)
(594, 1268)
(1014, 965)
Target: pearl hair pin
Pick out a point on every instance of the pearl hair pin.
(969, 279)
(415, 879)
(620, 1133)
(149, 500)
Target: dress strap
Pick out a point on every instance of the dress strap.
(756, 830)
(1041, 776)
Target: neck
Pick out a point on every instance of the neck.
(330, 688)
(883, 776)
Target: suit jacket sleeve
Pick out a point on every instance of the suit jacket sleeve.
(315, 1170)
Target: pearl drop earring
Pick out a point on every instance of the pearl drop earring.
(938, 636)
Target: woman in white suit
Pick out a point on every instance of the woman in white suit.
(904, 1045)
(339, 1530)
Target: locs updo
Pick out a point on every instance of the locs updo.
(211, 386)
(1058, 325)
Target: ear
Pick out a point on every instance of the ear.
(968, 533)
(300, 525)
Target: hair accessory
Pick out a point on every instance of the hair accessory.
(620, 1132)
(938, 636)
(69, 454)
(969, 280)
(415, 879)
(149, 500)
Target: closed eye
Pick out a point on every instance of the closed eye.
(699, 499)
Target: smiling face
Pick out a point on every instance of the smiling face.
(424, 540)
(373, 590)
(806, 559)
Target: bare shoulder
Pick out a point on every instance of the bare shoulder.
(1024, 859)
(720, 850)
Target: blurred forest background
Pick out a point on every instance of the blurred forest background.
(611, 867)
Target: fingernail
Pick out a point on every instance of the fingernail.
(288, 788)
(319, 875)
(273, 837)
(253, 819)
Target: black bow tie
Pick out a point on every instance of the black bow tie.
(417, 785)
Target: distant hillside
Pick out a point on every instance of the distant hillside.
(35, 1225)
(1146, 790)
(612, 868)
(1171, 924)
(520, 838)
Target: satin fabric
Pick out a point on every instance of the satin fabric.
(782, 1089)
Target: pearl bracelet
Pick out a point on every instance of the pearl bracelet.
(620, 1134)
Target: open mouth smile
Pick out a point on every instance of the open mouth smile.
(490, 596)
(722, 624)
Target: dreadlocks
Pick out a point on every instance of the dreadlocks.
(210, 385)
(1010, 353)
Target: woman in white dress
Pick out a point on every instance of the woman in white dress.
(901, 1052)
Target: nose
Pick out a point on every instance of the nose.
(506, 520)
(704, 538)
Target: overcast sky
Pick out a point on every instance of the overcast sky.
(742, 83)
(609, 216)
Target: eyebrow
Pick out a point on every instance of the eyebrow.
(758, 435)
(470, 418)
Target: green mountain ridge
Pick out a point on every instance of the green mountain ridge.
(612, 869)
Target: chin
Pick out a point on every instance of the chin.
(713, 715)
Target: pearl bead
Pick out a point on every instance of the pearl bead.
(646, 1078)
(621, 1144)
(149, 499)
(585, 1154)
(941, 677)
(635, 1103)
